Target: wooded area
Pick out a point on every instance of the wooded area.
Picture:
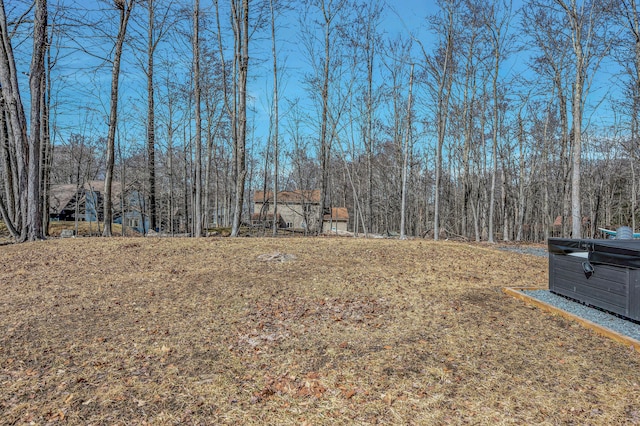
(491, 121)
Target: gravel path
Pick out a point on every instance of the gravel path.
(596, 316)
(535, 251)
(604, 319)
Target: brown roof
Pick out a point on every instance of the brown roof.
(292, 197)
(61, 195)
(558, 221)
(338, 214)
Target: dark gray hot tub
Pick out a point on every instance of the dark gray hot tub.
(601, 273)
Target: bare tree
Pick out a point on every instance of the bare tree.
(497, 20)
(406, 146)
(157, 28)
(276, 117)
(441, 67)
(631, 62)
(551, 62)
(124, 8)
(474, 55)
(329, 11)
(240, 22)
(367, 39)
(170, 123)
(27, 145)
(586, 21)
(152, 43)
(197, 90)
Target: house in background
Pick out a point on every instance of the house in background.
(86, 203)
(336, 221)
(296, 210)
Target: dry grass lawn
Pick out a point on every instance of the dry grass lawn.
(293, 331)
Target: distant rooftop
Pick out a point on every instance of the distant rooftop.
(293, 197)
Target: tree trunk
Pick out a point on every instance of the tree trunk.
(26, 145)
(171, 196)
(46, 146)
(370, 51)
(241, 32)
(576, 151)
(197, 202)
(208, 163)
(521, 183)
(151, 133)
(276, 120)
(576, 15)
(444, 87)
(7, 161)
(406, 147)
(6, 164)
(125, 8)
(324, 143)
(494, 144)
(186, 192)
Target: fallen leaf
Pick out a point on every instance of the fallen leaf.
(387, 398)
(347, 394)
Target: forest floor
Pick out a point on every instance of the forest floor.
(293, 331)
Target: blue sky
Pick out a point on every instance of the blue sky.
(84, 87)
(84, 91)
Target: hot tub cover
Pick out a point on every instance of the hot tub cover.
(623, 253)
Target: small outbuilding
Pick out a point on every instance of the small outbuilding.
(336, 221)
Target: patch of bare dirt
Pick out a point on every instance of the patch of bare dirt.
(294, 331)
(276, 257)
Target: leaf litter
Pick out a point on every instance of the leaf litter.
(345, 331)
